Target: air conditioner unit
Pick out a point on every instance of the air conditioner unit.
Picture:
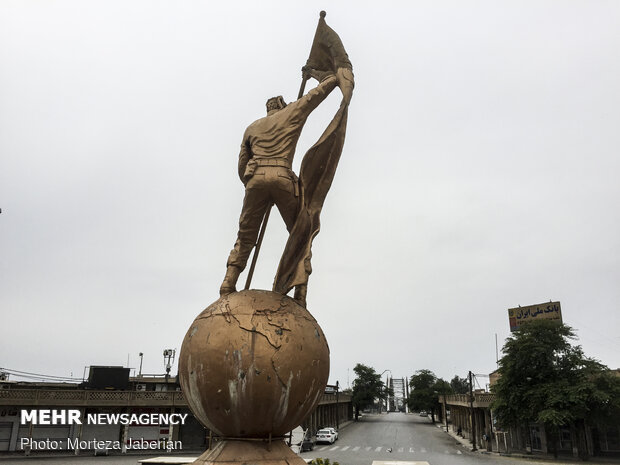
(141, 387)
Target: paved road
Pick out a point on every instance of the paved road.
(401, 437)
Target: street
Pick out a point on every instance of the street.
(399, 437)
(393, 437)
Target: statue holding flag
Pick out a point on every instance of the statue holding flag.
(265, 163)
(254, 364)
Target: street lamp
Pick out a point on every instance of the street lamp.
(387, 392)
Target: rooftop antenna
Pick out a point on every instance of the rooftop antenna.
(141, 355)
(169, 355)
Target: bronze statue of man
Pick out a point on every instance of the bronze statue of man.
(265, 168)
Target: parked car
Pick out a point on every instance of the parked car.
(423, 413)
(334, 431)
(325, 435)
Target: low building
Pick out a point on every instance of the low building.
(473, 418)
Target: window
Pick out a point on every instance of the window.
(536, 440)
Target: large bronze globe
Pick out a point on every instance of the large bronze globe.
(253, 364)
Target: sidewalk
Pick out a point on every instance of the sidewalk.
(466, 443)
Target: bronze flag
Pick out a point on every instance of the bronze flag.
(318, 166)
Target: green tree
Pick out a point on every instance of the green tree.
(545, 379)
(442, 388)
(424, 392)
(366, 388)
(459, 385)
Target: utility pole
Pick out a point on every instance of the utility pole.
(496, 352)
(387, 394)
(445, 410)
(471, 410)
(337, 406)
(407, 394)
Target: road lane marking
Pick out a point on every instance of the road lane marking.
(458, 452)
(324, 448)
(411, 450)
(396, 462)
(401, 449)
(378, 449)
(334, 448)
(345, 448)
(356, 448)
(368, 448)
(423, 450)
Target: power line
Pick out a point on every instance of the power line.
(30, 375)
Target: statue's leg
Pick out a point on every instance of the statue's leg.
(300, 294)
(284, 194)
(255, 204)
(288, 204)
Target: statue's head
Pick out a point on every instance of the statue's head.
(275, 104)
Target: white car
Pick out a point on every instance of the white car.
(334, 432)
(326, 435)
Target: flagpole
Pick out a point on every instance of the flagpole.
(303, 87)
(257, 247)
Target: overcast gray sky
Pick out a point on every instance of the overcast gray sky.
(480, 172)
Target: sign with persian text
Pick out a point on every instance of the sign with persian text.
(523, 315)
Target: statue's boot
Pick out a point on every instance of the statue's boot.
(230, 280)
(300, 294)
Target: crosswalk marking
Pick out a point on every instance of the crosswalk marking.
(394, 462)
(349, 448)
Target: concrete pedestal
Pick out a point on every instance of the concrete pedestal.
(233, 452)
